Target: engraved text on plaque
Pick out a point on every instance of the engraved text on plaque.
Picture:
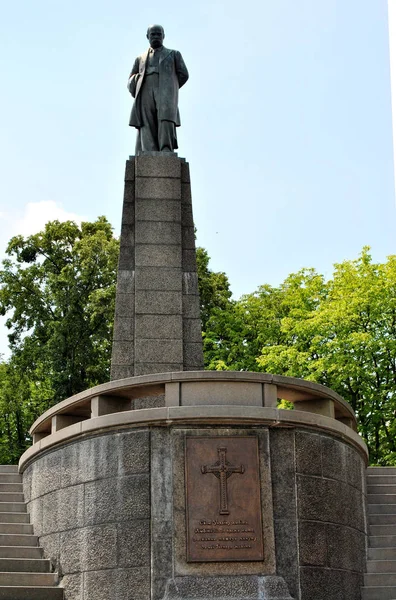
(223, 499)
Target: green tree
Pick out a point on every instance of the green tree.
(58, 290)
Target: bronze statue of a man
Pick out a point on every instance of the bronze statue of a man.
(154, 82)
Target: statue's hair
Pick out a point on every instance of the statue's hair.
(151, 26)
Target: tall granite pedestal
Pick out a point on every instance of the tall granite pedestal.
(157, 319)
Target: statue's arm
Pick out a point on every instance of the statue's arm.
(181, 69)
(133, 78)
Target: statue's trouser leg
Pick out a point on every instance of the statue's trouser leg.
(167, 140)
(148, 134)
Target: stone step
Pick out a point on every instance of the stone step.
(377, 593)
(380, 488)
(379, 579)
(10, 539)
(381, 498)
(12, 497)
(383, 519)
(11, 487)
(381, 471)
(381, 566)
(381, 509)
(18, 528)
(380, 529)
(8, 469)
(28, 579)
(381, 479)
(7, 517)
(21, 552)
(30, 593)
(381, 554)
(19, 507)
(25, 565)
(10, 478)
(382, 541)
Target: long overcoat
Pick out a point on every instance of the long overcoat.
(172, 75)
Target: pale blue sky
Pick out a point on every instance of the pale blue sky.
(286, 123)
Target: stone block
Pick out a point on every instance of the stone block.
(190, 284)
(192, 331)
(188, 237)
(157, 232)
(193, 355)
(149, 402)
(123, 353)
(185, 172)
(150, 368)
(125, 305)
(123, 329)
(314, 581)
(187, 215)
(71, 508)
(186, 193)
(333, 458)
(27, 483)
(318, 406)
(241, 587)
(127, 237)
(101, 501)
(121, 372)
(189, 260)
(129, 192)
(346, 548)
(191, 307)
(125, 281)
(158, 188)
(220, 392)
(130, 170)
(128, 213)
(287, 558)
(308, 453)
(99, 547)
(106, 405)
(149, 255)
(133, 584)
(158, 166)
(312, 543)
(50, 512)
(90, 459)
(51, 548)
(35, 510)
(46, 476)
(126, 259)
(159, 327)
(355, 468)
(73, 586)
(134, 452)
(283, 473)
(158, 210)
(158, 303)
(159, 350)
(134, 544)
(134, 497)
(159, 278)
(117, 584)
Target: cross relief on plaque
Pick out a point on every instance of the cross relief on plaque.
(222, 469)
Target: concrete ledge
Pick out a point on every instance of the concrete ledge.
(288, 388)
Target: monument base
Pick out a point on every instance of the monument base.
(215, 494)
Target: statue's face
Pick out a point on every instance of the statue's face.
(155, 36)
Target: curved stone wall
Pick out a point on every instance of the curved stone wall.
(107, 494)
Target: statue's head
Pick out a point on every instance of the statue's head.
(156, 36)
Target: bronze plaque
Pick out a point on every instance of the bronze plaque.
(223, 499)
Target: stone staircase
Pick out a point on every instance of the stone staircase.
(24, 573)
(380, 579)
